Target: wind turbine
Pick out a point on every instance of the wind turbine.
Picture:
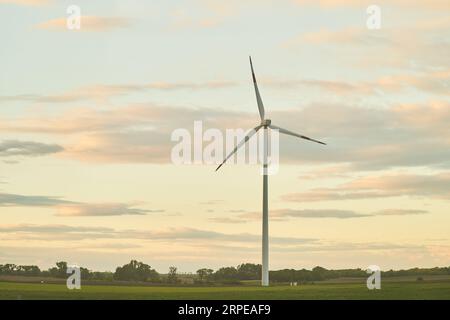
(266, 124)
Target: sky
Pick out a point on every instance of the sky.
(86, 118)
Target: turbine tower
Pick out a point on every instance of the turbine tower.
(266, 124)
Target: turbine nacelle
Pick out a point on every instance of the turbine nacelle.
(266, 122)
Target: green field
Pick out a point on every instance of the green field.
(389, 290)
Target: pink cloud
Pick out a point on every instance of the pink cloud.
(436, 186)
(26, 2)
(88, 24)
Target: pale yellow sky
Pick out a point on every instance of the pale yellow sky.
(86, 120)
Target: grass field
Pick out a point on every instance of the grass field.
(389, 290)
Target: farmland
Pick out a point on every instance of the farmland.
(391, 289)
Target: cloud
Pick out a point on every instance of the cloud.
(354, 36)
(205, 15)
(432, 117)
(399, 212)
(226, 220)
(332, 255)
(364, 138)
(53, 228)
(102, 209)
(331, 4)
(211, 202)
(11, 161)
(10, 148)
(54, 232)
(71, 208)
(285, 214)
(88, 24)
(11, 200)
(190, 85)
(327, 172)
(437, 82)
(337, 87)
(354, 45)
(371, 138)
(436, 186)
(96, 93)
(194, 244)
(430, 82)
(109, 247)
(141, 131)
(65, 232)
(280, 214)
(101, 93)
(26, 2)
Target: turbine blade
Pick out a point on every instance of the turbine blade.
(258, 96)
(294, 134)
(240, 144)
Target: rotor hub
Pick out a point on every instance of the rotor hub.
(266, 122)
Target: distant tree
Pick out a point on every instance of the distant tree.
(8, 269)
(172, 277)
(136, 271)
(60, 271)
(105, 276)
(62, 268)
(285, 275)
(319, 273)
(85, 273)
(29, 270)
(226, 274)
(205, 274)
(249, 271)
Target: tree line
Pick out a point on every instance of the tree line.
(137, 271)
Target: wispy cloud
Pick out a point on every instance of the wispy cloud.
(226, 220)
(207, 14)
(427, 50)
(435, 186)
(354, 36)
(430, 82)
(337, 87)
(10, 148)
(308, 213)
(327, 172)
(286, 214)
(374, 138)
(200, 245)
(332, 4)
(26, 2)
(88, 24)
(72, 209)
(212, 202)
(12, 200)
(190, 85)
(165, 235)
(101, 93)
(102, 209)
(399, 212)
(53, 228)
